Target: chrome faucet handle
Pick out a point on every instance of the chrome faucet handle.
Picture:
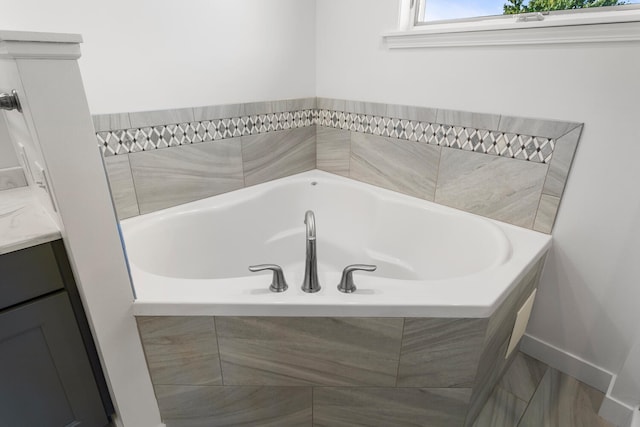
(346, 283)
(278, 284)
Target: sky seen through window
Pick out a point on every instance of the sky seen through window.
(436, 10)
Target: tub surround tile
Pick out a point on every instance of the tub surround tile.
(399, 407)
(106, 122)
(468, 119)
(546, 215)
(299, 104)
(256, 108)
(367, 108)
(560, 164)
(503, 409)
(493, 364)
(470, 180)
(406, 112)
(333, 150)
(495, 187)
(404, 166)
(538, 127)
(563, 401)
(309, 351)
(121, 184)
(181, 350)
(165, 178)
(193, 406)
(275, 155)
(331, 104)
(440, 352)
(212, 112)
(523, 376)
(161, 117)
(12, 178)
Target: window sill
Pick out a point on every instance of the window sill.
(491, 33)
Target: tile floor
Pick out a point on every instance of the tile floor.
(531, 394)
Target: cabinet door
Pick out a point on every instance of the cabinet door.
(45, 377)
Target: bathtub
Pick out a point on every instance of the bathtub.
(433, 261)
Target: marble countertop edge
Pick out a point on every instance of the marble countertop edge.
(23, 221)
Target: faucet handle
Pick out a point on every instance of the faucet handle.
(346, 283)
(278, 284)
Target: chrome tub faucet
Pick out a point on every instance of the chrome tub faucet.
(310, 283)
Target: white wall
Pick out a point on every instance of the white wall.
(155, 54)
(589, 299)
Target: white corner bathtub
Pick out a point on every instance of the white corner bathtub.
(433, 261)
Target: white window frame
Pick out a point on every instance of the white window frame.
(609, 24)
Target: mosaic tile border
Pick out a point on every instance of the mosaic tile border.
(520, 138)
(124, 141)
(497, 143)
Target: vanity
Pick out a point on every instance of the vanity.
(51, 375)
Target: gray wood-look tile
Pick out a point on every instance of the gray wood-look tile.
(278, 154)
(368, 108)
(193, 406)
(560, 164)
(440, 352)
(468, 119)
(309, 351)
(523, 376)
(563, 401)
(260, 107)
(421, 114)
(177, 175)
(489, 373)
(181, 350)
(106, 122)
(546, 215)
(535, 127)
(500, 188)
(121, 184)
(502, 320)
(493, 363)
(404, 166)
(398, 407)
(298, 104)
(161, 117)
(331, 104)
(12, 178)
(333, 150)
(503, 409)
(211, 112)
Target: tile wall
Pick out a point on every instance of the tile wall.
(329, 371)
(507, 168)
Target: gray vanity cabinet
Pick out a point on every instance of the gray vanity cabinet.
(46, 377)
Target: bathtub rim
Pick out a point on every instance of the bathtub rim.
(527, 247)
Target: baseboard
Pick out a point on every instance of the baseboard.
(566, 362)
(616, 412)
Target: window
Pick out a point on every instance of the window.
(450, 23)
(439, 11)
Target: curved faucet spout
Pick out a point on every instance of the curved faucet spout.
(310, 283)
(310, 222)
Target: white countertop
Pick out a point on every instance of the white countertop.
(23, 221)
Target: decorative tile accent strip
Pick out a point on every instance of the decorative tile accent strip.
(504, 143)
(497, 143)
(172, 135)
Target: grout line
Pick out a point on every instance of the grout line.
(133, 183)
(435, 187)
(215, 334)
(404, 321)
